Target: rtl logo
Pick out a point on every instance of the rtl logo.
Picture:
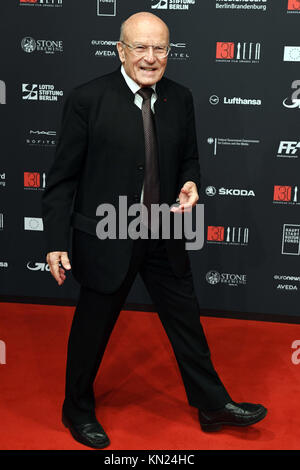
(293, 4)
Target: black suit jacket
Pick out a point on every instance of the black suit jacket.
(100, 155)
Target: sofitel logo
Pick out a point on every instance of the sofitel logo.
(241, 52)
(41, 138)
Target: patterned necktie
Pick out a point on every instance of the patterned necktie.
(151, 181)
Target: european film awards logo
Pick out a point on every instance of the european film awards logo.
(293, 6)
(240, 52)
(106, 7)
(286, 195)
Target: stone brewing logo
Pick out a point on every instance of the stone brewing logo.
(230, 279)
(28, 44)
(48, 46)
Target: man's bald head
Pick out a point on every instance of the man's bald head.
(140, 20)
(146, 33)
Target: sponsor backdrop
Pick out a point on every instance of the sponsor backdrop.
(241, 60)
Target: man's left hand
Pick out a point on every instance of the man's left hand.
(188, 197)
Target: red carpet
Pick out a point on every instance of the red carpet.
(140, 396)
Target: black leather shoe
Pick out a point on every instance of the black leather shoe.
(90, 434)
(233, 414)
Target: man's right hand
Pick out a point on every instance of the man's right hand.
(53, 260)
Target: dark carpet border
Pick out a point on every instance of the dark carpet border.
(266, 317)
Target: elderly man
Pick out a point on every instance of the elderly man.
(130, 133)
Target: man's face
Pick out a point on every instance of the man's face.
(148, 69)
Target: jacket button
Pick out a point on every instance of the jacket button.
(140, 167)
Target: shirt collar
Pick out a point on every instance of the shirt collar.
(134, 87)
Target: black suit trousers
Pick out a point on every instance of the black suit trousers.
(178, 310)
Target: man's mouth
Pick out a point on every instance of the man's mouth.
(148, 69)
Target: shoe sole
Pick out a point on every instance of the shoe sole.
(82, 441)
(217, 426)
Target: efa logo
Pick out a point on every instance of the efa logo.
(225, 50)
(283, 193)
(215, 234)
(293, 4)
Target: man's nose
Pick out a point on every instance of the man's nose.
(150, 57)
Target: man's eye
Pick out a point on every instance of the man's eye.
(159, 49)
(140, 48)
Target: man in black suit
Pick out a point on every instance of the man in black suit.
(130, 133)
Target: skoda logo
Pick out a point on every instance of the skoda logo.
(210, 191)
(28, 44)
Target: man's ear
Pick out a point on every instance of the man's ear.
(121, 52)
